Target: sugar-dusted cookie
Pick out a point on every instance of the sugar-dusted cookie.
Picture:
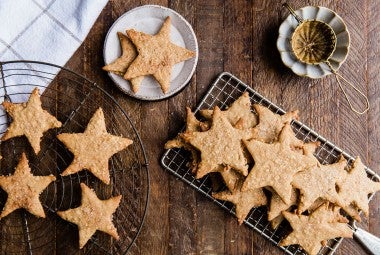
(93, 148)
(192, 125)
(244, 201)
(240, 110)
(277, 205)
(29, 119)
(354, 189)
(156, 55)
(312, 231)
(309, 149)
(276, 164)
(128, 54)
(270, 124)
(219, 146)
(121, 64)
(319, 182)
(23, 189)
(93, 214)
(232, 179)
(278, 220)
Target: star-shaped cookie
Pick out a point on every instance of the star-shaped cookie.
(354, 189)
(311, 231)
(276, 221)
(276, 164)
(270, 124)
(23, 189)
(232, 179)
(93, 214)
(93, 148)
(156, 55)
(319, 182)
(219, 146)
(239, 110)
(244, 201)
(192, 125)
(277, 205)
(121, 64)
(29, 119)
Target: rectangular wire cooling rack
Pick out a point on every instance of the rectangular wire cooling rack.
(225, 90)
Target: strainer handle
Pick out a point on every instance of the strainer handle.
(290, 9)
(338, 78)
(369, 241)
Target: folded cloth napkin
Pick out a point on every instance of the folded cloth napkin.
(42, 30)
(45, 30)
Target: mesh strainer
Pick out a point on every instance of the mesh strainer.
(313, 42)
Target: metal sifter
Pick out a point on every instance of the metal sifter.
(314, 42)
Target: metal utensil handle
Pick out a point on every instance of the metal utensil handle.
(369, 241)
(339, 78)
(287, 6)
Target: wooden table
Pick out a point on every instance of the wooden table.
(240, 37)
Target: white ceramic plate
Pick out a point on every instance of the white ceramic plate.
(310, 13)
(149, 19)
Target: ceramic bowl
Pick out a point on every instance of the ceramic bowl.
(338, 56)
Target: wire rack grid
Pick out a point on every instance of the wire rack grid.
(72, 99)
(226, 89)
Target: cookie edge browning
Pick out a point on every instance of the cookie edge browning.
(113, 232)
(188, 137)
(335, 218)
(35, 95)
(21, 163)
(91, 124)
(160, 71)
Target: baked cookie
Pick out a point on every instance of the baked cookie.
(192, 125)
(319, 182)
(219, 146)
(277, 205)
(93, 214)
(276, 164)
(24, 189)
(93, 148)
(156, 55)
(29, 119)
(244, 201)
(354, 189)
(312, 231)
(239, 110)
(121, 64)
(270, 124)
(232, 179)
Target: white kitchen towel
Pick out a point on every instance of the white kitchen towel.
(41, 30)
(45, 30)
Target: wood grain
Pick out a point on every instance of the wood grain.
(156, 231)
(209, 26)
(182, 216)
(373, 129)
(237, 59)
(238, 36)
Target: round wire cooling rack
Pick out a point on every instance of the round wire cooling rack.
(72, 99)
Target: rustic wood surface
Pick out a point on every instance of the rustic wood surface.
(240, 37)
